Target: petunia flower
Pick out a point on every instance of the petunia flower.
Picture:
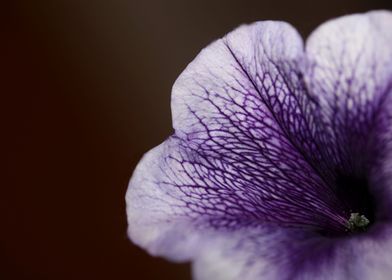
(280, 166)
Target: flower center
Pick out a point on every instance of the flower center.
(357, 223)
(357, 204)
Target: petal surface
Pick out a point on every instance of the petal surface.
(257, 253)
(238, 154)
(242, 103)
(349, 73)
(263, 131)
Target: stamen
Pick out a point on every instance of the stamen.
(357, 222)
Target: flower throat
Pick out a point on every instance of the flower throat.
(359, 203)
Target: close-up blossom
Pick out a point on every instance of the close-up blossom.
(280, 164)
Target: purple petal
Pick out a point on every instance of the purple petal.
(248, 254)
(257, 253)
(235, 158)
(242, 104)
(350, 74)
(263, 134)
(157, 208)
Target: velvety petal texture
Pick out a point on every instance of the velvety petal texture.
(257, 253)
(349, 72)
(275, 144)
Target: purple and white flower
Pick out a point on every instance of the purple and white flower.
(280, 166)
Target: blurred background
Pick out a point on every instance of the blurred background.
(86, 89)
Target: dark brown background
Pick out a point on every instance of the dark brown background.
(86, 90)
